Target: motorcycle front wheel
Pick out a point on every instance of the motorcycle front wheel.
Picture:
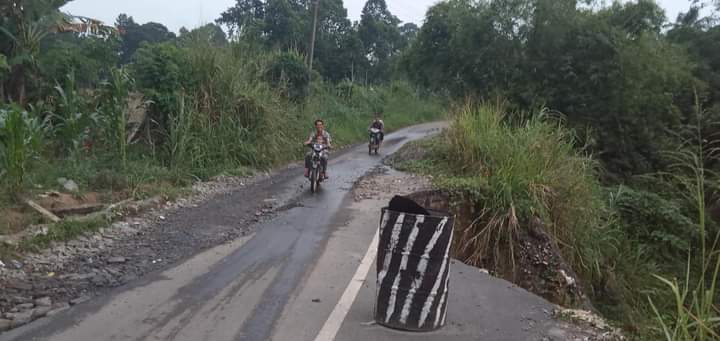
(314, 180)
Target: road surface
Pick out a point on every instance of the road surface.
(306, 274)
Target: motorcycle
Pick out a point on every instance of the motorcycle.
(374, 144)
(316, 169)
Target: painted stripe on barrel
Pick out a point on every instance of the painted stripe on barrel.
(423, 265)
(394, 238)
(416, 283)
(443, 295)
(403, 266)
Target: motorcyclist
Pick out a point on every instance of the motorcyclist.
(322, 137)
(377, 123)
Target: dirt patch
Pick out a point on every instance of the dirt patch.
(413, 151)
(15, 219)
(64, 204)
(384, 183)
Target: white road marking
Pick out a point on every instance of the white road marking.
(336, 318)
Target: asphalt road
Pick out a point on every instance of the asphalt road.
(299, 276)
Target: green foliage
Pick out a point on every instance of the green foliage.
(210, 34)
(380, 36)
(608, 69)
(341, 48)
(160, 70)
(695, 313)
(21, 138)
(288, 73)
(134, 35)
(116, 91)
(659, 224)
(74, 119)
(517, 172)
(88, 58)
(4, 67)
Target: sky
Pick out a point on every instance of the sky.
(192, 13)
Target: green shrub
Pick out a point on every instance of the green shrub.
(21, 138)
(287, 72)
(75, 118)
(656, 222)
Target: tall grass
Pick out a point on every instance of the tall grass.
(696, 297)
(115, 106)
(235, 117)
(520, 171)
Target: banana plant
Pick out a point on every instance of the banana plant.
(26, 49)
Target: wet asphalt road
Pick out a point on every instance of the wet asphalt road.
(236, 291)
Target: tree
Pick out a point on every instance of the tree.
(286, 24)
(88, 58)
(637, 18)
(609, 68)
(408, 33)
(338, 49)
(133, 34)
(209, 33)
(380, 36)
(244, 19)
(23, 25)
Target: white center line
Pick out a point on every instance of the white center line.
(336, 318)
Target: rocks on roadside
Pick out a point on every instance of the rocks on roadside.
(69, 185)
(19, 319)
(80, 300)
(58, 308)
(117, 260)
(5, 325)
(25, 306)
(43, 302)
(40, 312)
(17, 264)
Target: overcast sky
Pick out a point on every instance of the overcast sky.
(192, 13)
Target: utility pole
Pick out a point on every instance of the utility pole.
(312, 39)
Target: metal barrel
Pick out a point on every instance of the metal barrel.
(413, 267)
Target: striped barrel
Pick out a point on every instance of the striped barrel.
(413, 267)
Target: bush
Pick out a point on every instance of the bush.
(518, 172)
(655, 222)
(161, 70)
(21, 137)
(287, 72)
(74, 118)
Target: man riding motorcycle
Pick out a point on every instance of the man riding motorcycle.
(322, 137)
(377, 123)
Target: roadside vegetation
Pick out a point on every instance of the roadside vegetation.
(606, 131)
(107, 113)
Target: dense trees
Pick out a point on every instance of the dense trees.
(133, 34)
(612, 69)
(343, 50)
